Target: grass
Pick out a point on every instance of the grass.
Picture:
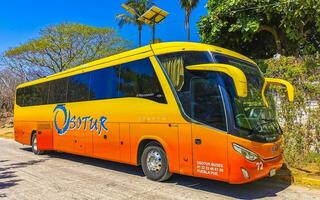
(306, 170)
(6, 133)
(308, 175)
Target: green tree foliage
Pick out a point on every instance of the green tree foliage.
(139, 7)
(300, 120)
(261, 28)
(188, 6)
(61, 47)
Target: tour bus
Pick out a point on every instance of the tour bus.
(178, 107)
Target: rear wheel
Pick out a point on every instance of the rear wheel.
(34, 144)
(155, 163)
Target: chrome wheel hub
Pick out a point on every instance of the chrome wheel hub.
(35, 144)
(154, 161)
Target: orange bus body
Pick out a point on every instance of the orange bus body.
(118, 129)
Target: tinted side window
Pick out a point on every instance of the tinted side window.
(33, 95)
(28, 96)
(207, 103)
(104, 83)
(40, 94)
(138, 79)
(175, 63)
(20, 96)
(58, 91)
(78, 88)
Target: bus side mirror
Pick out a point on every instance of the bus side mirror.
(238, 77)
(276, 81)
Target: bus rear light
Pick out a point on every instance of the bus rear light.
(249, 155)
(245, 173)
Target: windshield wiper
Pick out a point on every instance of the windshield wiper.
(275, 124)
(266, 121)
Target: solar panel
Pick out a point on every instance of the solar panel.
(154, 15)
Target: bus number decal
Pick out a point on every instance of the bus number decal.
(259, 166)
(77, 122)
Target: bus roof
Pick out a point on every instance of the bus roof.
(149, 50)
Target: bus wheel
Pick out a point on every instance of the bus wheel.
(155, 163)
(34, 146)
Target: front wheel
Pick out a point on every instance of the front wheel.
(34, 146)
(155, 163)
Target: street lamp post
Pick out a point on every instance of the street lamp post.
(154, 16)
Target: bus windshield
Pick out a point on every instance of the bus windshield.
(250, 113)
(253, 119)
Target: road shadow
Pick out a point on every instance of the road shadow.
(8, 172)
(267, 187)
(259, 189)
(114, 166)
(9, 183)
(18, 165)
(26, 149)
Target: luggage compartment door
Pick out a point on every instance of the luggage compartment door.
(45, 136)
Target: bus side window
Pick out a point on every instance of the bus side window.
(138, 79)
(40, 93)
(27, 101)
(206, 103)
(78, 88)
(33, 95)
(20, 97)
(58, 91)
(104, 83)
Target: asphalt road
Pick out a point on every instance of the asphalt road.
(63, 176)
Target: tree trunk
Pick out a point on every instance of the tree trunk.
(188, 32)
(140, 34)
(275, 34)
(187, 23)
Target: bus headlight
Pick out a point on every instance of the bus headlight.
(249, 155)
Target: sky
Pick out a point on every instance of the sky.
(21, 20)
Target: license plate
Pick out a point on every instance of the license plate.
(272, 172)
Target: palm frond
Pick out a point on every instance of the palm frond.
(189, 4)
(124, 19)
(140, 7)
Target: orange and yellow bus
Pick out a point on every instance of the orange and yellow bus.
(179, 107)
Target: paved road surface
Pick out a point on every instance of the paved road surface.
(63, 176)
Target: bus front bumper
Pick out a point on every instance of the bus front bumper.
(244, 171)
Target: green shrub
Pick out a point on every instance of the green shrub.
(300, 119)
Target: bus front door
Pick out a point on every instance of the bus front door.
(209, 153)
(209, 141)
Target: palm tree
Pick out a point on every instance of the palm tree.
(139, 7)
(188, 6)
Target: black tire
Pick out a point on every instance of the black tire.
(35, 150)
(159, 171)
